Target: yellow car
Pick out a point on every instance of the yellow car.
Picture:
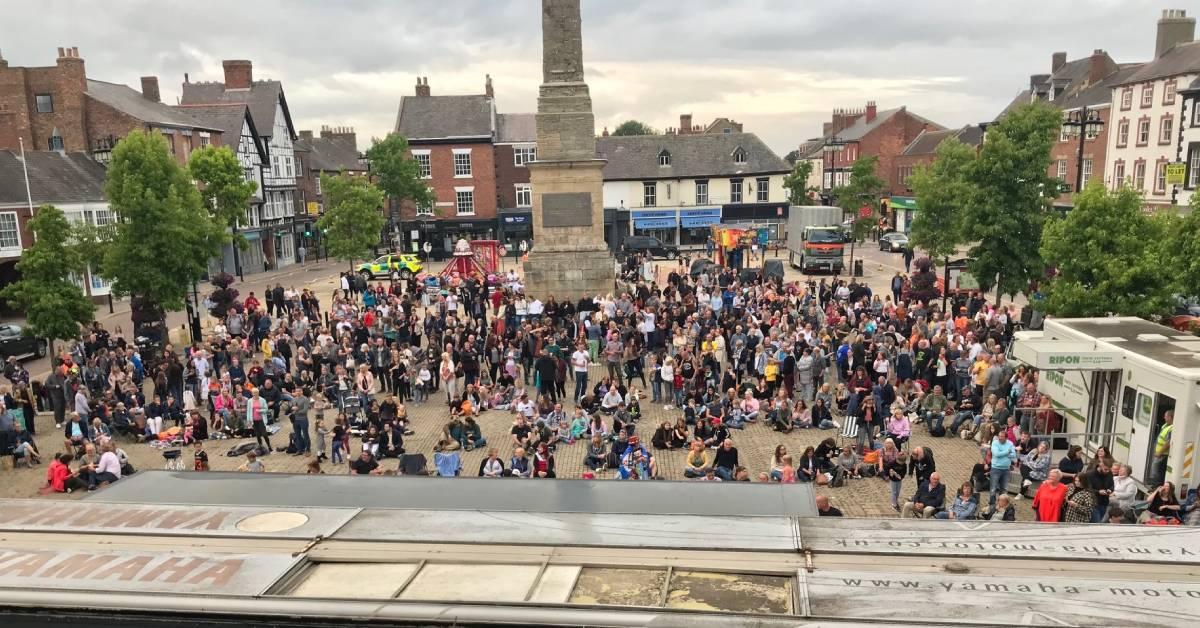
(382, 267)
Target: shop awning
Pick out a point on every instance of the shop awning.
(903, 202)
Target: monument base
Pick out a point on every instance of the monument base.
(569, 274)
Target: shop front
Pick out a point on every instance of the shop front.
(442, 234)
(773, 216)
(513, 226)
(903, 211)
(687, 228)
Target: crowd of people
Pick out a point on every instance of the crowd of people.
(718, 354)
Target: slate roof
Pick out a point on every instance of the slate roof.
(1193, 88)
(330, 154)
(228, 118)
(54, 177)
(635, 157)
(1099, 94)
(861, 127)
(1023, 97)
(440, 117)
(812, 148)
(131, 102)
(260, 98)
(1182, 59)
(516, 127)
(927, 142)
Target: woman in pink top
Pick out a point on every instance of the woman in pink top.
(750, 407)
(898, 428)
(787, 473)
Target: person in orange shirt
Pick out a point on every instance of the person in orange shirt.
(960, 323)
(1048, 501)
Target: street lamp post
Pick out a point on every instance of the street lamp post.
(1086, 123)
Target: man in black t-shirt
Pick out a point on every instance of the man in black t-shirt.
(825, 509)
(365, 465)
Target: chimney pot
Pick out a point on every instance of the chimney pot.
(239, 73)
(61, 52)
(150, 88)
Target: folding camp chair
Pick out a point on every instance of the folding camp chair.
(849, 433)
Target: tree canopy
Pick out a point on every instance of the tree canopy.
(397, 173)
(634, 127)
(1010, 196)
(53, 304)
(792, 157)
(796, 183)
(224, 187)
(860, 196)
(352, 221)
(164, 235)
(1183, 251)
(942, 190)
(1108, 257)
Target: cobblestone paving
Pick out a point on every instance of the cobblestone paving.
(865, 498)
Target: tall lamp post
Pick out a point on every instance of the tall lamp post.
(833, 145)
(1086, 124)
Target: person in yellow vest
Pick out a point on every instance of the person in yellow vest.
(1162, 449)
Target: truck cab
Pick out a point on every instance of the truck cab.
(823, 250)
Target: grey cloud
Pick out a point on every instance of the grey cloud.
(991, 47)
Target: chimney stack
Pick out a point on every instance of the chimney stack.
(487, 86)
(1099, 66)
(305, 135)
(422, 86)
(239, 73)
(685, 123)
(3, 63)
(1057, 60)
(339, 133)
(1174, 28)
(150, 88)
(871, 110)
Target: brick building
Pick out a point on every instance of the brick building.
(452, 138)
(59, 108)
(869, 132)
(333, 152)
(921, 152)
(516, 145)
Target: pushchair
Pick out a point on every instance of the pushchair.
(351, 405)
(174, 458)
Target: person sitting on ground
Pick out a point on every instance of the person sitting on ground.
(611, 401)
(521, 432)
(929, 499)
(1164, 504)
(964, 506)
(662, 436)
(543, 462)
(825, 508)
(492, 466)
(447, 461)
(596, 454)
(696, 463)
(60, 478)
(254, 465)
(1035, 466)
(726, 460)
(518, 465)
(848, 464)
(898, 428)
(933, 405)
(812, 468)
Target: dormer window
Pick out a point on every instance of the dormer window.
(739, 156)
(664, 159)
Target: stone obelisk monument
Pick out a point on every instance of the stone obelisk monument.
(569, 258)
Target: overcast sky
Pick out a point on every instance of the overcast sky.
(777, 66)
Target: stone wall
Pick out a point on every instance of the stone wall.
(568, 177)
(568, 274)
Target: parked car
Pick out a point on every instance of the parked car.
(651, 245)
(383, 266)
(894, 242)
(14, 343)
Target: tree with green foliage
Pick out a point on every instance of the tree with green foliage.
(398, 174)
(942, 190)
(1108, 257)
(796, 183)
(53, 305)
(1183, 250)
(225, 190)
(164, 236)
(860, 198)
(352, 220)
(792, 157)
(1010, 197)
(634, 127)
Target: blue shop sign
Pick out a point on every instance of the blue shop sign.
(696, 218)
(516, 220)
(655, 223)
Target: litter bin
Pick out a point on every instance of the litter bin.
(858, 268)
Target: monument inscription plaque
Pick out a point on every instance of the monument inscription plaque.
(567, 209)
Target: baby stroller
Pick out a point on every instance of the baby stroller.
(351, 404)
(174, 458)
